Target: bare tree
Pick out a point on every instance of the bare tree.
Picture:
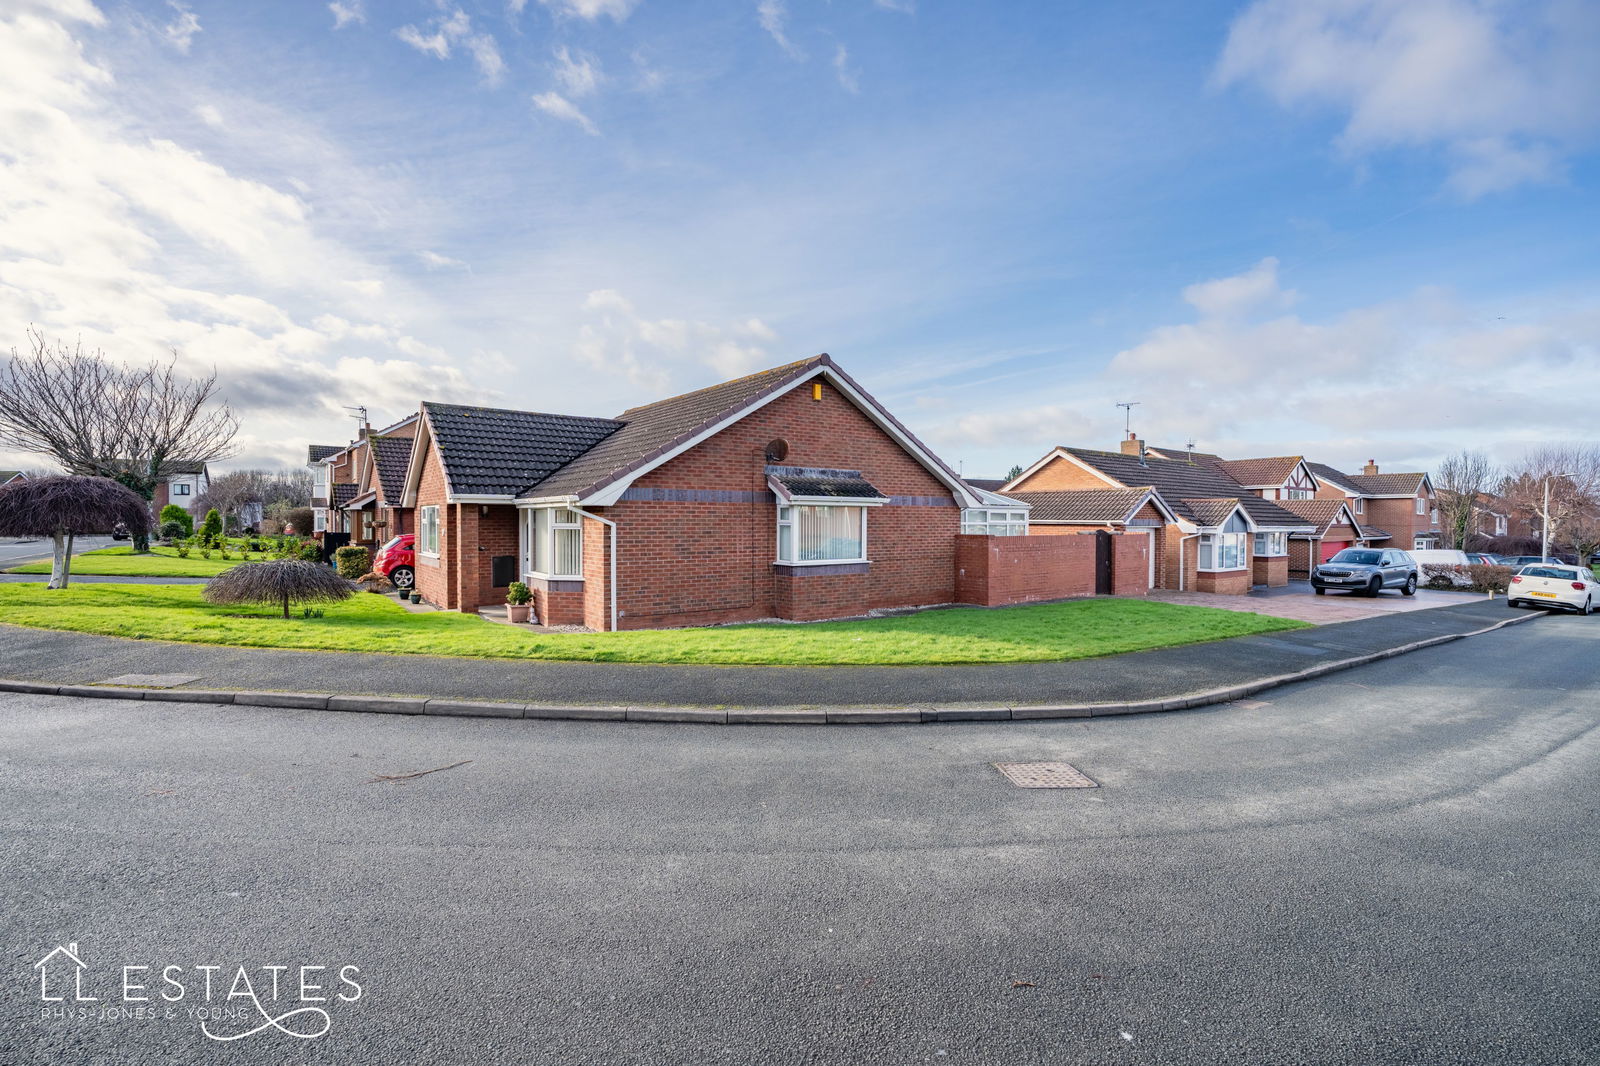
(1556, 484)
(1461, 481)
(1583, 533)
(63, 507)
(98, 418)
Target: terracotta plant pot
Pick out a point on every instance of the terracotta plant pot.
(518, 611)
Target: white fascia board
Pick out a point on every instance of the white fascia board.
(451, 497)
(546, 501)
(419, 446)
(611, 493)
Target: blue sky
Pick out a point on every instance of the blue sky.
(1348, 228)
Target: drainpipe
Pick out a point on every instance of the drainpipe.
(1183, 570)
(609, 524)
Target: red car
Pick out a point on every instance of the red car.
(397, 561)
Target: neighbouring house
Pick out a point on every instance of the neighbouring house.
(790, 493)
(183, 483)
(1207, 532)
(332, 485)
(1334, 528)
(1403, 504)
(8, 476)
(355, 486)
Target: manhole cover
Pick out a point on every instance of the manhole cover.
(151, 680)
(1044, 775)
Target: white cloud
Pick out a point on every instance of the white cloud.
(667, 354)
(140, 245)
(587, 9)
(557, 106)
(848, 78)
(435, 261)
(579, 76)
(1240, 294)
(1506, 89)
(209, 114)
(774, 18)
(181, 30)
(905, 7)
(452, 27)
(346, 12)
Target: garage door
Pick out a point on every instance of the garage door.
(1330, 548)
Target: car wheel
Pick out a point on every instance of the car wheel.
(1375, 586)
(1410, 588)
(1588, 607)
(1320, 592)
(402, 577)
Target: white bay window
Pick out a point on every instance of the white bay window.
(821, 533)
(552, 543)
(1222, 551)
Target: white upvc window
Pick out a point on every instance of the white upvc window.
(1222, 551)
(821, 533)
(994, 523)
(321, 478)
(1422, 505)
(1272, 544)
(552, 543)
(1361, 505)
(319, 520)
(428, 530)
(1297, 494)
(1499, 524)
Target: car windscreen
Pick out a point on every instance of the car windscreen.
(391, 542)
(1360, 558)
(1550, 571)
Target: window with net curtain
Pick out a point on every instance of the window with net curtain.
(554, 542)
(819, 533)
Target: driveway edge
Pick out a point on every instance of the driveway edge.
(415, 705)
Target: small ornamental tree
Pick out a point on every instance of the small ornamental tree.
(173, 513)
(278, 582)
(211, 527)
(63, 507)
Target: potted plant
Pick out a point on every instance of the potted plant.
(518, 598)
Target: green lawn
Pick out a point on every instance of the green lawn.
(1078, 629)
(121, 562)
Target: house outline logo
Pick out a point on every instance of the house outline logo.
(70, 950)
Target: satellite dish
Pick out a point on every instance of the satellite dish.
(777, 450)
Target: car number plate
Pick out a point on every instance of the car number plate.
(1547, 595)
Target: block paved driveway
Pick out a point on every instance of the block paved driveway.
(1394, 865)
(1296, 600)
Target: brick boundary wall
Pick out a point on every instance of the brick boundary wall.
(997, 571)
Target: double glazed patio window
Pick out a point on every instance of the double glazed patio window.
(1272, 544)
(821, 533)
(552, 542)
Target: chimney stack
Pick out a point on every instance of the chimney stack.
(1371, 467)
(1133, 445)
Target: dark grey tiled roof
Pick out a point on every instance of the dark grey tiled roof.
(1080, 505)
(988, 484)
(1374, 533)
(1324, 472)
(343, 493)
(319, 452)
(851, 488)
(492, 452)
(1214, 511)
(1184, 454)
(392, 455)
(653, 430)
(1179, 481)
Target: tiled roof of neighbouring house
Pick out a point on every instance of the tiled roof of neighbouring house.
(492, 452)
(1184, 454)
(343, 493)
(651, 431)
(318, 452)
(1338, 478)
(1180, 481)
(392, 455)
(1374, 533)
(1214, 510)
(1260, 472)
(1319, 513)
(988, 484)
(1388, 484)
(1081, 505)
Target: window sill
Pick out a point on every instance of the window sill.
(821, 569)
(1227, 570)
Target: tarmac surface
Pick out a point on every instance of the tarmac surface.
(1393, 865)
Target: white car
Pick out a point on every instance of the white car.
(1549, 585)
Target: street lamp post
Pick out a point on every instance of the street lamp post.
(1544, 517)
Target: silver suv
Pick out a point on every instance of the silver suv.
(1368, 570)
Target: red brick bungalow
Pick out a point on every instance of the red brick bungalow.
(790, 493)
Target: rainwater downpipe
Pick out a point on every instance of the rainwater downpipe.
(1183, 571)
(612, 581)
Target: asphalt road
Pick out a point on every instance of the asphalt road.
(17, 552)
(1395, 865)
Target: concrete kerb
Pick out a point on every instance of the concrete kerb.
(737, 715)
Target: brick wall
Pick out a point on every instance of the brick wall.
(1300, 552)
(996, 571)
(1270, 570)
(1130, 564)
(1057, 474)
(1225, 583)
(709, 561)
(436, 576)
